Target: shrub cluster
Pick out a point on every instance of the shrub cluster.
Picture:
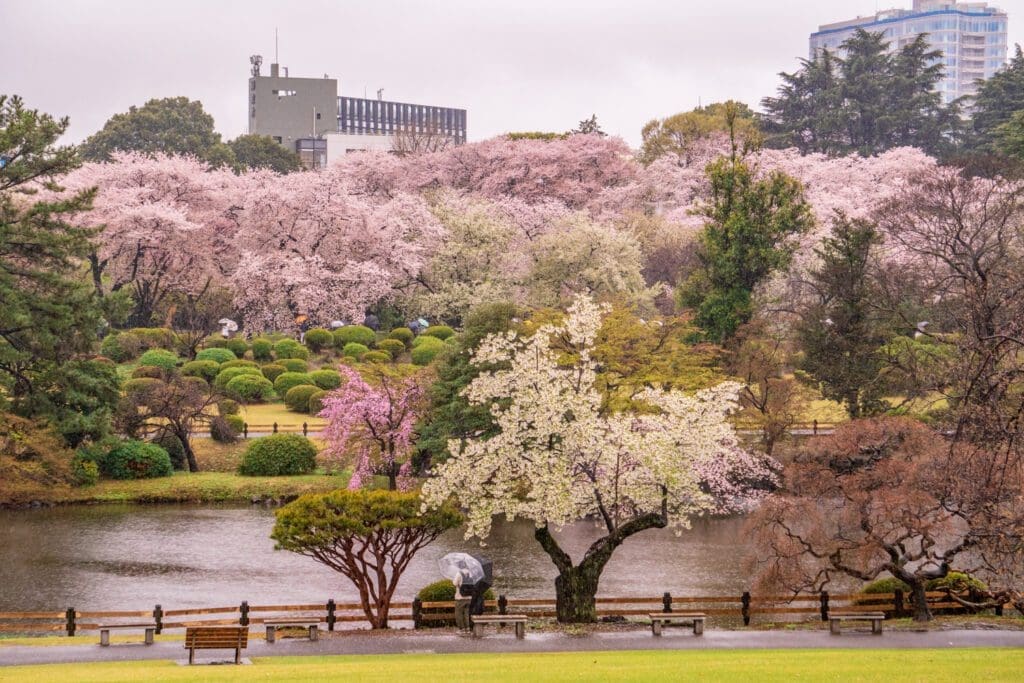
(228, 374)
(354, 349)
(140, 384)
(175, 449)
(159, 358)
(441, 332)
(238, 363)
(273, 370)
(148, 371)
(238, 346)
(402, 334)
(217, 355)
(354, 334)
(278, 454)
(250, 388)
(326, 379)
(287, 380)
(318, 339)
(294, 364)
(376, 357)
(394, 347)
(262, 349)
(297, 398)
(316, 402)
(289, 348)
(137, 460)
(207, 369)
(425, 349)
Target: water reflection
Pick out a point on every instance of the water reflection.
(181, 556)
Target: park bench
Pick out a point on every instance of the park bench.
(835, 618)
(481, 620)
(216, 638)
(105, 629)
(659, 619)
(273, 624)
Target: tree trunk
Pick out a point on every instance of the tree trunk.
(919, 601)
(190, 455)
(575, 592)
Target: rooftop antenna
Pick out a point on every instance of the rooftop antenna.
(380, 93)
(276, 60)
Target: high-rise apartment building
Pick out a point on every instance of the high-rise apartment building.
(971, 36)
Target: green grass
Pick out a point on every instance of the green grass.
(269, 413)
(890, 666)
(203, 487)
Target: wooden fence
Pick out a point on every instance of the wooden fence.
(739, 607)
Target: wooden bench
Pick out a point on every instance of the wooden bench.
(105, 629)
(659, 619)
(273, 624)
(480, 620)
(835, 618)
(216, 638)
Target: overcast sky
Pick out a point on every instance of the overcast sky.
(513, 64)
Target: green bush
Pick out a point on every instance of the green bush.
(293, 364)
(402, 334)
(444, 591)
(227, 407)
(289, 348)
(956, 581)
(394, 347)
(121, 347)
(250, 388)
(225, 376)
(425, 349)
(175, 449)
(135, 386)
(137, 460)
(354, 334)
(262, 349)
(223, 429)
(215, 341)
(273, 370)
(318, 339)
(84, 470)
(326, 379)
(238, 346)
(376, 357)
(148, 371)
(156, 337)
(279, 454)
(239, 363)
(217, 355)
(159, 358)
(207, 369)
(354, 350)
(297, 398)
(316, 402)
(287, 380)
(199, 382)
(235, 422)
(424, 339)
(441, 332)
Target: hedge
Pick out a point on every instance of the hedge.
(441, 332)
(277, 455)
(137, 460)
(207, 369)
(297, 398)
(289, 348)
(394, 347)
(287, 380)
(159, 358)
(250, 388)
(228, 374)
(326, 379)
(354, 334)
(402, 334)
(354, 349)
(293, 364)
(318, 338)
(216, 355)
(262, 349)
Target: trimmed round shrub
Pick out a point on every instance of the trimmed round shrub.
(262, 349)
(354, 334)
(235, 422)
(297, 398)
(326, 379)
(424, 339)
(238, 346)
(156, 337)
(289, 348)
(316, 402)
(121, 347)
(293, 364)
(278, 454)
(287, 380)
(425, 349)
(216, 354)
(140, 384)
(272, 370)
(250, 388)
(175, 449)
(226, 375)
(442, 332)
(215, 341)
(394, 347)
(402, 334)
(148, 371)
(159, 358)
(957, 581)
(227, 407)
(137, 460)
(444, 591)
(318, 339)
(375, 357)
(354, 350)
(199, 382)
(84, 470)
(222, 429)
(239, 363)
(207, 369)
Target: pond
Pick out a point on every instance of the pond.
(133, 557)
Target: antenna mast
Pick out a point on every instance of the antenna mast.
(276, 60)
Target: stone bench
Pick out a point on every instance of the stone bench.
(273, 624)
(480, 620)
(660, 619)
(105, 629)
(836, 618)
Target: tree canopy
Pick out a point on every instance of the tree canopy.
(172, 125)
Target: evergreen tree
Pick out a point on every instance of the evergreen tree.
(173, 125)
(807, 112)
(252, 152)
(997, 100)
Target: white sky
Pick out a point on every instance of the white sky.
(513, 64)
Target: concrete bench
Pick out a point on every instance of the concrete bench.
(105, 629)
(659, 619)
(216, 638)
(836, 618)
(273, 624)
(480, 620)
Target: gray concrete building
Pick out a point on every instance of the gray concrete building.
(289, 109)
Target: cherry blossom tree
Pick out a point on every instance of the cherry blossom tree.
(558, 457)
(372, 423)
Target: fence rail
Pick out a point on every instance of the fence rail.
(421, 613)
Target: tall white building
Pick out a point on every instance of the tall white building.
(971, 36)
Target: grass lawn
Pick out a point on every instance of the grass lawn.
(266, 414)
(889, 666)
(203, 487)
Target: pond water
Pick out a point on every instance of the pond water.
(133, 557)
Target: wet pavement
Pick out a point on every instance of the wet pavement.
(407, 642)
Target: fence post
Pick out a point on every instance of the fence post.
(745, 609)
(666, 602)
(897, 600)
(70, 616)
(824, 605)
(502, 604)
(331, 616)
(243, 609)
(158, 617)
(245, 430)
(999, 610)
(815, 427)
(417, 613)
(305, 429)
(275, 428)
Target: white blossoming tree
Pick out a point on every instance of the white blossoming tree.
(559, 457)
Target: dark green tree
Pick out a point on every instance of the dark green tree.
(995, 103)
(588, 127)
(839, 332)
(50, 316)
(807, 114)
(173, 125)
(253, 152)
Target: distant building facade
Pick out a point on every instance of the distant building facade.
(307, 116)
(971, 36)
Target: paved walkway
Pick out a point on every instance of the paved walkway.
(405, 642)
